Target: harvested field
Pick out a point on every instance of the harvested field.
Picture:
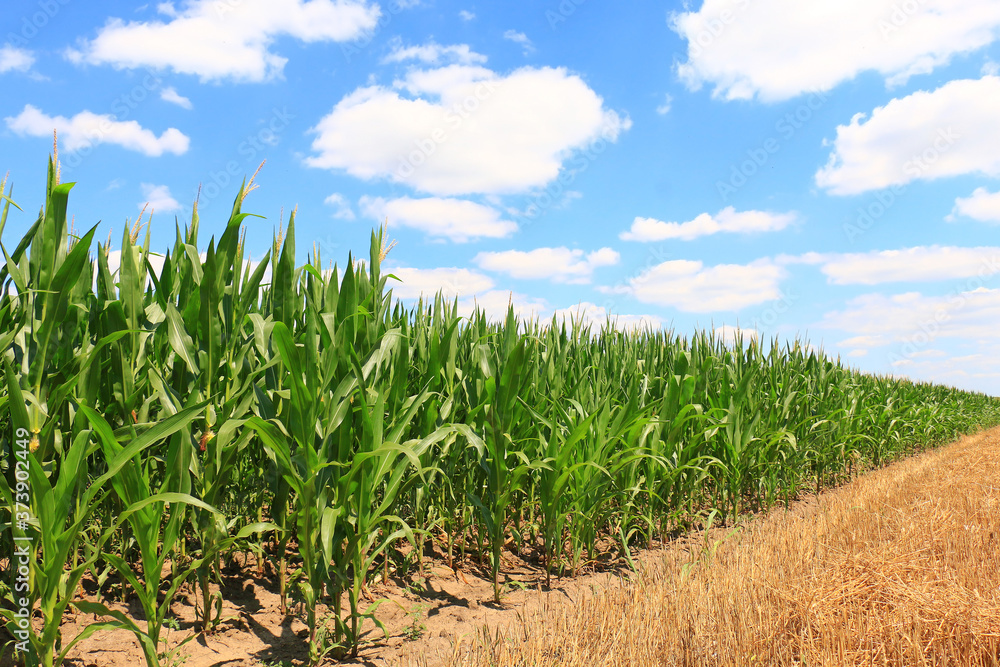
(898, 567)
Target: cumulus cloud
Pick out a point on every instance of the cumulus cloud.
(115, 262)
(927, 135)
(495, 303)
(561, 265)
(224, 40)
(466, 15)
(864, 343)
(158, 198)
(13, 59)
(463, 129)
(597, 317)
(457, 220)
(433, 54)
(171, 95)
(776, 49)
(520, 38)
(970, 312)
(731, 335)
(728, 220)
(691, 287)
(473, 290)
(451, 282)
(923, 263)
(87, 129)
(983, 205)
(342, 208)
(664, 108)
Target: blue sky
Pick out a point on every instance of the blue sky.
(821, 170)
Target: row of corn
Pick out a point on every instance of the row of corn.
(191, 405)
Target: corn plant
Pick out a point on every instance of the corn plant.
(59, 528)
(505, 466)
(144, 508)
(179, 408)
(557, 445)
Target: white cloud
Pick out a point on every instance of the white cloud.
(159, 198)
(87, 129)
(727, 220)
(520, 38)
(432, 54)
(927, 135)
(342, 209)
(458, 220)
(730, 335)
(221, 39)
(15, 59)
(466, 15)
(561, 265)
(923, 263)
(865, 342)
(477, 290)
(910, 322)
(664, 108)
(596, 317)
(496, 302)
(982, 205)
(451, 282)
(937, 354)
(692, 287)
(171, 95)
(777, 49)
(464, 129)
(115, 262)
(473, 289)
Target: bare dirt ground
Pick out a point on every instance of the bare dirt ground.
(813, 572)
(428, 618)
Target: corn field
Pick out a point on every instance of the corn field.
(193, 405)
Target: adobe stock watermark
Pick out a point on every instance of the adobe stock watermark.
(556, 192)
(773, 313)
(713, 29)
(758, 157)
(24, 549)
(350, 50)
(900, 15)
(121, 108)
(32, 24)
(249, 149)
(562, 12)
(454, 118)
(930, 327)
(883, 200)
(326, 248)
(223, 7)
